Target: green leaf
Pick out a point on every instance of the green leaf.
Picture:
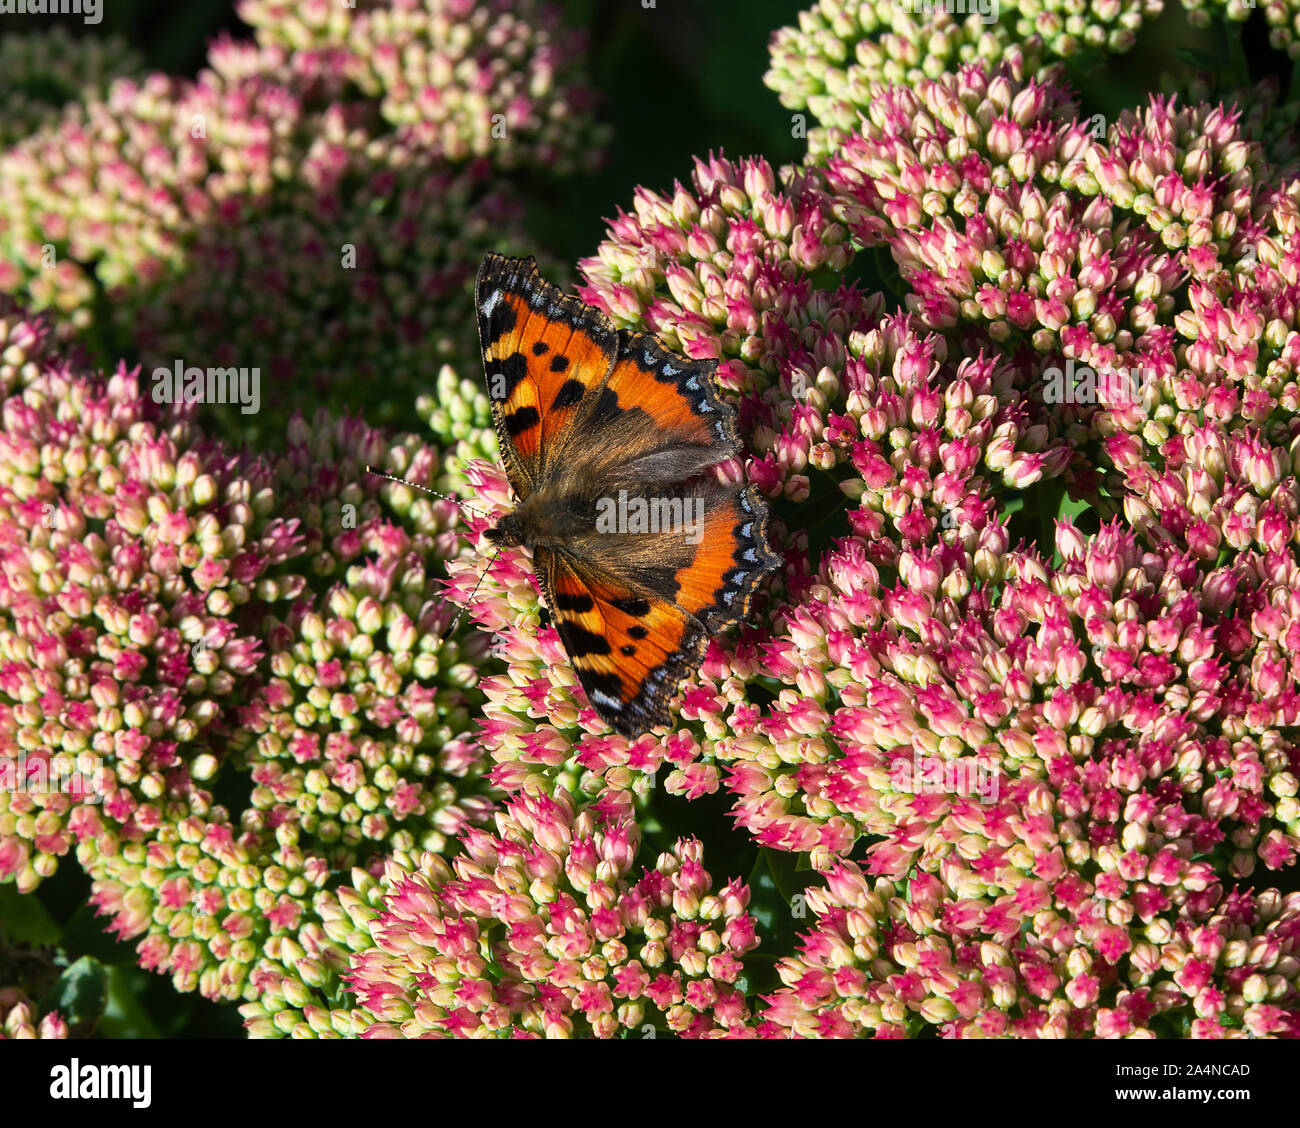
(24, 920)
(80, 995)
(1201, 60)
(124, 1017)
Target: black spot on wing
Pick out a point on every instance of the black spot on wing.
(517, 422)
(559, 363)
(574, 601)
(514, 368)
(606, 409)
(638, 608)
(580, 642)
(570, 393)
(637, 631)
(539, 347)
(627, 651)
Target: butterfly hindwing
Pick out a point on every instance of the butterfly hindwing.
(732, 558)
(630, 649)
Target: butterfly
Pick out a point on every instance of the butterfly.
(609, 440)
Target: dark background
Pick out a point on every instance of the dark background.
(686, 77)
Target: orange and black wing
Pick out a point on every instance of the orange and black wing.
(570, 393)
(718, 582)
(630, 649)
(635, 611)
(544, 353)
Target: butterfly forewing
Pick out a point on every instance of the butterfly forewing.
(543, 354)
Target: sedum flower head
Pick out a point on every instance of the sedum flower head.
(540, 930)
(41, 71)
(1155, 264)
(829, 63)
(1070, 748)
(28, 347)
(1281, 16)
(460, 79)
(381, 252)
(219, 224)
(130, 551)
(22, 1018)
(108, 199)
(352, 736)
(890, 958)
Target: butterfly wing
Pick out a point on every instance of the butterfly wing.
(630, 648)
(543, 354)
(635, 611)
(572, 394)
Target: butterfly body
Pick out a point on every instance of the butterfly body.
(610, 441)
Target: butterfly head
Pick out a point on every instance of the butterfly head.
(507, 533)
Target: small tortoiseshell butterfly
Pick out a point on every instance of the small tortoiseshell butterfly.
(609, 440)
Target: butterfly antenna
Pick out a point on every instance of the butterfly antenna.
(417, 486)
(473, 591)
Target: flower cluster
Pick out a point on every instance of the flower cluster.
(358, 738)
(840, 50)
(1024, 697)
(354, 737)
(41, 71)
(1267, 116)
(458, 78)
(129, 554)
(890, 958)
(829, 64)
(352, 295)
(456, 411)
(1062, 250)
(1127, 699)
(171, 615)
(27, 346)
(21, 1018)
(1282, 16)
(107, 200)
(538, 930)
(266, 217)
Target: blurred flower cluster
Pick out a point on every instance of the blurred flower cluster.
(21, 1018)
(306, 206)
(42, 71)
(456, 77)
